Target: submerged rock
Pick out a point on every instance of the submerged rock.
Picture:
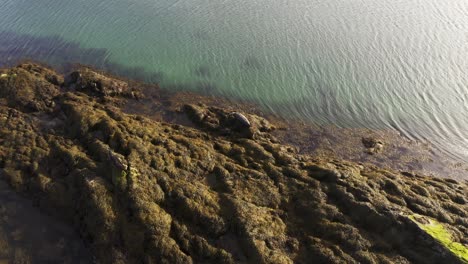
(143, 191)
(202, 71)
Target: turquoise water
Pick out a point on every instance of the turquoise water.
(353, 63)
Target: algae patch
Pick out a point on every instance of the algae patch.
(5, 75)
(442, 235)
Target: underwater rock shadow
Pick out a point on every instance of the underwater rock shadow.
(200, 35)
(64, 55)
(202, 71)
(252, 62)
(204, 88)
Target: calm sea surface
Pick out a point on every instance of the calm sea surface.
(400, 64)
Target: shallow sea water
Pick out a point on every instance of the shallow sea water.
(350, 63)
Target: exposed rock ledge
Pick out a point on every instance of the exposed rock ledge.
(142, 191)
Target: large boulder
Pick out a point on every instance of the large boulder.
(97, 84)
(29, 87)
(226, 122)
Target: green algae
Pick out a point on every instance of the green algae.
(442, 235)
(5, 75)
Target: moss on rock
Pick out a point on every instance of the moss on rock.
(440, 233)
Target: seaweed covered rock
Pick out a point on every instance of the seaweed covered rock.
(142, 191)
(29, 88)
(97, 84)
(219, 120)
(373, 145)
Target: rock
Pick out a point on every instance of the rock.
(48, 74)
(373, 145)
(195, 113)
(28, 89)
(97, 84)
(241, 119)
(72, 78)
(370, 142)
(118, 161)
(228, 123)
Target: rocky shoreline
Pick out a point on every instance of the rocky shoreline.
(144, 176)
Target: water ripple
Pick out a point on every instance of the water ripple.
(397, 64)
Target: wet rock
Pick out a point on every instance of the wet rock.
(241, 120)
(97, 84)
(228, 123)
(252, 62)
(373, 145)
(197, 114)
(202, 71)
